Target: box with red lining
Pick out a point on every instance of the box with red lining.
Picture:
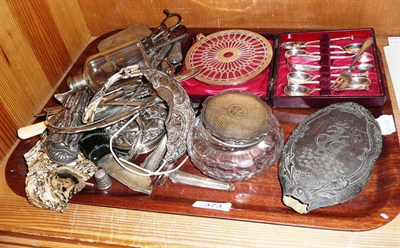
(327, 61)
(222, 51)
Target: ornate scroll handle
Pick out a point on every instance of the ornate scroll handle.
(180, 114)
(124, 73)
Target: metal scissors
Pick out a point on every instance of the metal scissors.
(171, 22)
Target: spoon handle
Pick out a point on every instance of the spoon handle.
(313, 90)
(311, 57)
(362, 74)
(318, 82)
(366, 44)
(333, 52)
(317, 46)
(351, 37)
(307, 82)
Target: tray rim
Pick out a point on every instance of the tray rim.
(76, 199)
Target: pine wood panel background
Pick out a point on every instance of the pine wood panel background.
(383, 15)
(39, 39)
(38, 42)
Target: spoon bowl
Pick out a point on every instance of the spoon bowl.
(362, 67)
(302, 77)
(300, 53)
(353, 48)
(305, 67)
(298, 90)
(298, 44)
(357, 83)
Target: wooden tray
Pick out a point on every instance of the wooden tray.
(257, 200)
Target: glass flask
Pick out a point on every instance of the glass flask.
(236, 137)
(100, 66)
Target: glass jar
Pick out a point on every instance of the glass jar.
(236, 137)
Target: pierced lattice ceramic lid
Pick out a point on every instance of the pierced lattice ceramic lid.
(234, 116)
(229, 57)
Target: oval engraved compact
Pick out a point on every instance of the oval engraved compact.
(329, 157)
(236, 137)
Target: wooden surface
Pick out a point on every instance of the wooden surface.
(264, 203)
(39, 40)
(106, 15)
(88, 226)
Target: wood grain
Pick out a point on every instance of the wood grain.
(24, 225)
(39, 40)
(71, 24)
(106, 15)
(41, 33)
(25, 87)
(255, 200)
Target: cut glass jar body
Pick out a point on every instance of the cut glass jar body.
(236, 137)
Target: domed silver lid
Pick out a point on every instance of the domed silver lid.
(236, 117)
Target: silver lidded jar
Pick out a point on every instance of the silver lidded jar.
(236, 137)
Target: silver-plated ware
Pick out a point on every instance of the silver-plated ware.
(345, 77)
(303, 77)
(356, 80)
(349, 49)
(301, 90)
(306, 56)
(329, 157)
(62, 148)
(98, 68)
(304, 67)
(302, 44)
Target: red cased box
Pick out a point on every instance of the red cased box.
(198, 91)
(327, 45)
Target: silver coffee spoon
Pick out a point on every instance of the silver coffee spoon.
(347, 49)
(353, 48)
(303, 67)
(300, 76)
(365, 57)
(299, 44)
(301, 90)
(356, 80)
